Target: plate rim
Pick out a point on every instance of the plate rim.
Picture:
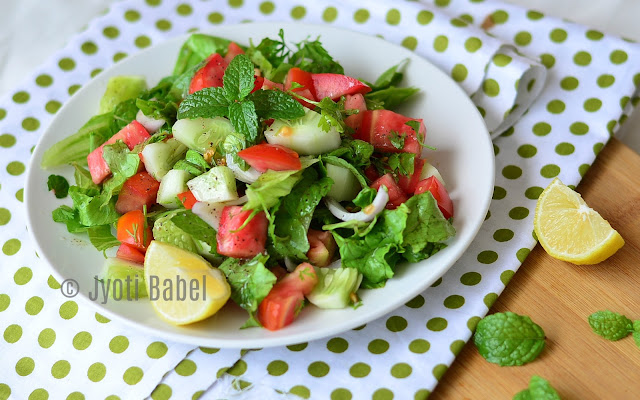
(265, 341)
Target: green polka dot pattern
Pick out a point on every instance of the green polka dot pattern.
(559, 136)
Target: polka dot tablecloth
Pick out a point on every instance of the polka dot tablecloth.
(55, 348)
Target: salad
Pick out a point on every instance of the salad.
(264, 168)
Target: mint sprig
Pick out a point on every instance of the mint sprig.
(235, 101)
(539, 389)
(509, 339)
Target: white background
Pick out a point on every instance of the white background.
(32, 30)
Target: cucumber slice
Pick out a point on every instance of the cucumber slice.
(429, 170)
(334, 287)
(119, 89)
(345, 185)
(116, 271)
(215, 186)
(303, 135)
(160, 157)
(172, 184)
(200, 134)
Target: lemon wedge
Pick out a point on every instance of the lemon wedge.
(183, 287)
(571, 231)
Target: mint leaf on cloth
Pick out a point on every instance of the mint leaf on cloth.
(509, 339)
(238, 80)
(250, 283)
(59, 185)
(539, 389)
(206, 103)
(610, 325)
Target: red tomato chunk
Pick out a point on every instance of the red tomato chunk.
(138, 191)
(271, 156)
(378, 127)
(246, 242)
(433, 185)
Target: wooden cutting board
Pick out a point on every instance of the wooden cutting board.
(560, 296)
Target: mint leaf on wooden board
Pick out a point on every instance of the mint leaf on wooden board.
(610, 325)
(636, 332)
(206, 103)
(238, 80)
(539, 389)
(509, 339)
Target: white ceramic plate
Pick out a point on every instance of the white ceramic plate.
(454, 126)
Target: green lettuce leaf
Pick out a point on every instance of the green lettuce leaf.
(102, 238)
(292, 216)
(199, 230)
(250, 283)
(93, 208)
(197, 48)
(345, 164)
(425, 224)
(375, 254)
(123, 165)
(272, 185)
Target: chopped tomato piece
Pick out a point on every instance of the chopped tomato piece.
(130, 253)
(258, 83)
(355, 102)
(408, 183)
(131, 135)
(286, 298)
(134, 230)
(268, 85)
(187, 199)
(278, 271)
(335, 86)
(396, 195)
(232, 51)
(433, 185)
(378, 127)
(138, 191)
(210, 75)
(241, 243)
(271, 156)
(303, 78)
(371, 173)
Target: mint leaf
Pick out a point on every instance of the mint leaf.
(59, 185)
(68, 216)
(312, 57)
(102, 238)
(244, 119)
(390, 77)
(425, 223)
(610, 325)
(123, 165)
(292, 215)
(238, 80)
(509, 339)
(539, 389)
(276, 104)
(206, 103)
(250, 283)
(636, 332)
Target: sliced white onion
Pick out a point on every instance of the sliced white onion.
(150, 124)
(249, 176)
(237, 202)
(290, 264)
(209, 212)
(366, 214)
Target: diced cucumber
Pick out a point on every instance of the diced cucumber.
(116, 271)
(334, 287)
(119, 89)
(303, 135)
(345, 185)
(172, 184)
(200, 134)
(429, 170)
(215, 186)
(160, 157)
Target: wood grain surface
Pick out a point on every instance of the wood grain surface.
(560, 296)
